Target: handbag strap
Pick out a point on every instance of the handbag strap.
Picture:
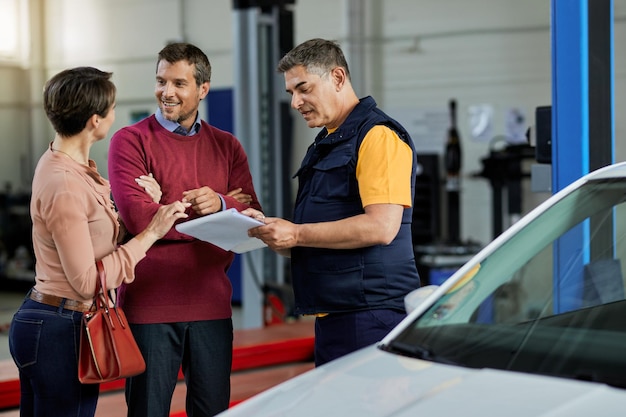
(102, 279)
(102, 296)
(101, 300)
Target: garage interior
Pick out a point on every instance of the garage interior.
(524, 96)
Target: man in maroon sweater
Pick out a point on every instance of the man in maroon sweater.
(179, 305)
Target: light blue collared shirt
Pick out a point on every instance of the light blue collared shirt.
(175, 127)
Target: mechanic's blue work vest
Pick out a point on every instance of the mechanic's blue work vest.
(340, 280)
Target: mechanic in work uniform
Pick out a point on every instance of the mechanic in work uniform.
(350, 242)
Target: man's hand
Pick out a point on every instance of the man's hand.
(279, 234)
(239, 196)
(203, 200)
(379, 225)
(254, 213)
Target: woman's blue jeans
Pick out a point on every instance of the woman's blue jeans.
(44, 341)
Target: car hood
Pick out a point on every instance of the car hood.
(372, 382)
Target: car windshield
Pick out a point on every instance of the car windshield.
(549, 300)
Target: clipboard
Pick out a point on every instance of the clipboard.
(226, 229)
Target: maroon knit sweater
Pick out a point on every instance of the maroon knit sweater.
(181, 278)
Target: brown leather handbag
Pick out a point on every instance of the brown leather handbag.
(108, 350)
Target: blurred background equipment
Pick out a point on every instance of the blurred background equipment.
(504, 169)
(439, 249)
(16, 248)
(453, 176)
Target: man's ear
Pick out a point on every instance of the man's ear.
(339, 77)
(204, 90)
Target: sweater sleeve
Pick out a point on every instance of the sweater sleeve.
(240, 177)
(126, 162)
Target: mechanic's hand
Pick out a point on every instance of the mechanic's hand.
(254, 213)
(279, 234)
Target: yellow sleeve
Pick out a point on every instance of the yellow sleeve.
(383, 168)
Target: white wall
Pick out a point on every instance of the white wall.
(418, 54)
(499, 58)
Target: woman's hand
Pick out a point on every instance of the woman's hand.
(151, 186)
(162, 222)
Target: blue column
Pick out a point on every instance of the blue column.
(570, 92)
(581, 84)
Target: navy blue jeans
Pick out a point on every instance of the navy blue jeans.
(204, 350)
(338, 334)
(43, 341)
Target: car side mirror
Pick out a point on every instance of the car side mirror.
(416, 297)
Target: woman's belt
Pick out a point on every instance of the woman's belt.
(55, 301)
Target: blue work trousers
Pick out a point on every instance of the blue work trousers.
(338, 334)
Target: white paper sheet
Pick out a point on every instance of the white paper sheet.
(226, 229)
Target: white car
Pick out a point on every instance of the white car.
(533, 325)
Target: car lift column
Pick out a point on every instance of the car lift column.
(263, 32)
(582, 113)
